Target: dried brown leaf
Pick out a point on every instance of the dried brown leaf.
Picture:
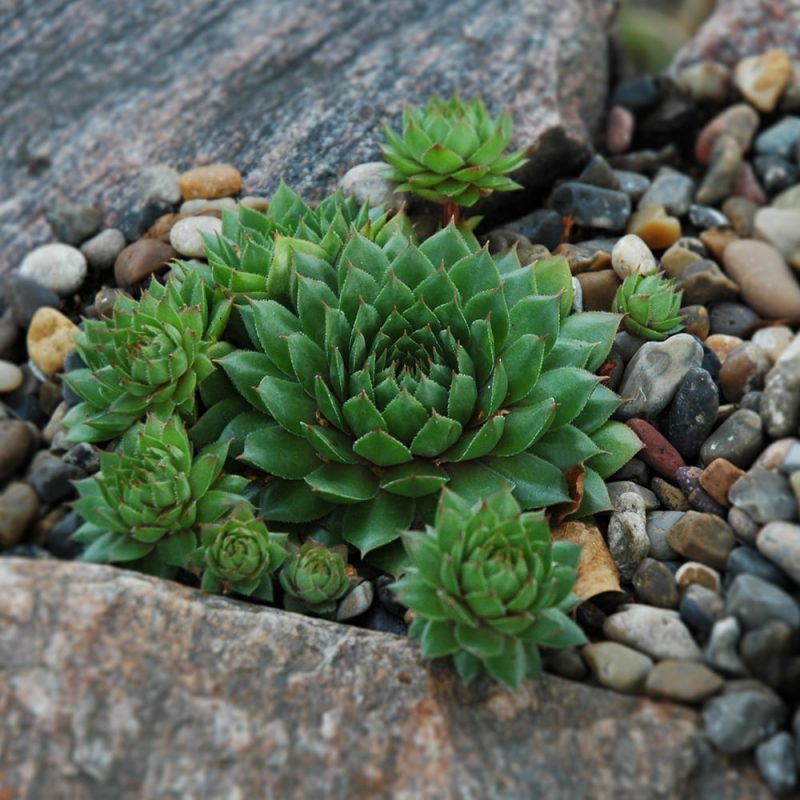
(597, 572)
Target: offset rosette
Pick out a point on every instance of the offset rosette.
(488, 586)
(651, 306)
(315, 578)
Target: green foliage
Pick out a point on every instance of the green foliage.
(314, 578)
(452, 151)
(651, 306)
(151, 494)
(149, 356)
(488, 586)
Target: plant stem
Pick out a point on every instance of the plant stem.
(451, 212)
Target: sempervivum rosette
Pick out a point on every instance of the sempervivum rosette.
(406, 369)
(151, 493)
(488, 586)
(149, 356)
(651, 306)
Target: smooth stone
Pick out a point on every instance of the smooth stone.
(699, 499)
(635, 474)
(26, 296)
(19, 508)
(656, 452)
(762, 78)
(780, 543)
(632, 256)
(742, 213)
(743, 371)
(695, 320)
(788, 199)
(140, 260)
(568, 663)
(160, 184)
(764, 495)
(707, 217)
(638, 93)
(739, 121)
(592, 206)
(779, 139)
(693, 573)
(721, 652)
(597, 172)
(51, 337)
(701, 607)
(672, 498)
(775, 173)
(747, 185)
(17, 443)
(671, 189)
(617, 488)
(654, 374)
(657, 229)
(717, 479)
(186, 235)
(693, 412)
(51, 477)
(705, 82)
(370, 183)
(542, 226)
(620, 127)
(701, 537)
(210, 182)
(72, 223)
(101, 251)
(738, 721)
(657, 632)
(627, 534)
(765, 649)
(773, 340)
(765, 280)
(739, 439)
(58, 267)
(723, 172)
(83, 455)
(634, 184)
(356, 602)
(704, 283)
(11, 377)
(255, 202)
(682, 681)
(59, 541)
(780, 227)
(780, 407)
(755, 602)
(722, 344)
(598, 289)
(658, 525)
(616, 666)
(655, 584)
(733, 319)
(775, 758)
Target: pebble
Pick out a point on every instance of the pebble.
(617, 488)
(140, 260)
(704, 283)
(755, 602)
(693, 573)
(671, 189)
(722, 344)
(19, 508)
(542, 226)
(632, 256)
(212, 208)
(186, 235)
(619, 129)
(634, 184)
(764, 651)
(738, 721)
(72, 223)
(658, 632)
(671, 497)
(162, 227)
(717, 479)
(743, 371)
(721, 652)
(370, 183)
(592, 206)
(791, 458)
(775, 173)
(739, 439)
(775, 758)
(638, 93)
(695, 320)
(764, 495)
(655, 227)
(701, 607)
(654, 374)
(627, 534)
(83, 455)
(779, 227)
(636, 475)
(26, 296)
(742, 213)
(723, 171)
(788, 198)
(707, 217)
(568, 663)
(702, 537)
(11, 377)
(716, 240)
(733, 319)
(699, 499)
(597, 172)
(59, 540)
(102, 250)
(210, 182)
(705, 82)
(58, 267)
(780, 407)
(17, 443)
(356, 602)
(51, 478)
(657, 452)
(616, 666)
(159, 184)
(583, 259)
(779, 139)
(683, 681)
(655, 584)
(254, 202)
(51, 337)
(658, 525)
(761, 79)
(747, 185)
(739, 121)
(693, 412)
(780, 543)
(773, 340)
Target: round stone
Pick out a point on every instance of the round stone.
(627, 534)
(718, 477)
(701, 607)
(755, 602)
(705, 82)
(17, 443)
(683, 681)
(743, 371)
(739, 439)
(616, 666)
(140, 260)
(159, 184)
(693, 412)
(658, 632)
(655, 584)
(764, 495)
(72, 223)
(780, 543)
(210, 182)
(356, 602)
(186, 235)
(737, 721)
(19, 508)
(702, 537)
(631, 255)
(51, 338)
(721, 651)
(780, 227)
(655, 227)
(775, 758)
(693, 573)
(724, 169)
(761, 79)
(773, 340)
(58, 267)
(739, 121)
(658, 525)
(370, 183)
(102, 250)
(671, 189)
(11, 377)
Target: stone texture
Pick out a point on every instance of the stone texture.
(308, 86)
(116, 685)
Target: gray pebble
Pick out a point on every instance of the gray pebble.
(592, 206)
(356, 601)
(627, 535)
(764, 495)
(72, 223)
(700, 608)
(779, 139)
(671, 189)
(780, 407)
(740, 439)
(775, 758)
(634, 184)
(755, 602)
(369, 183)
(58, 267)
(159, 184)
(764, 650)
(780, 543)
(616, 490)
(51, 478)
(747, 561)
(737, 721)
(658, 632)
(693, 412)
(658, 526)
(597, 172)
(102, 250)
(655, 584)
(721, 652)
(707, 217)
(616, 666)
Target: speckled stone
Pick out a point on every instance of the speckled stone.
(700, 608)
(780, 407)
(764, 495)
(50, 339)
(737, 721)
(627, 534)
(705, 82)
(733, 319)
(702, 537)
(592, 206)
(780, 543)
(655, 584)
(693, 412)
(776, 762)
(658, 632)
(684, 681)
(102, 250)
(723, 171)
(58, 267)
(616, 666)
(755, 602)
(739, 439)
(721, 650)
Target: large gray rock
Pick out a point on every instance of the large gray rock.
(93, 92)
(115, 685)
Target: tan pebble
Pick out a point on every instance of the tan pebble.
(161, 227)
(140, 260)
(696, 321)
(187, 235)
(11, 377)
(773, 340)
(739, 121)
(675, 260)
(583, 259)
(773, 457)
(718, 477)
(256, 203)
(694, 572)
(51, 338)
(210, 182)
(631, 255)
(200, 206)
(599, 289)
(716, 240)
(19, 507)
(655, 227)
(761, 79)
(722, 344)
(748, 186)
(742, 214)
(780, 227)
(788, 198)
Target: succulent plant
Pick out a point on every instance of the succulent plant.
(403, 370)
(651, 306)
(451, 152)
(487, 586)
(315, 577)
(151, 493)
(238, 554)
(149, 356)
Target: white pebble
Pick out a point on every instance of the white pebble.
(199, 204)
(186, 235)
(59, 267)
(11, 377)
(631, 255)
(369, 183)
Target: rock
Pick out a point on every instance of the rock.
(653, 375)
(764, 279)
(356, 602)
(655, 584)
(597, 172)
(592, 206)
(723, 171)
(51, 337)
(721, 650)
(722, 344)
(638, 93)
(671, 189)
(542, 226)
(693, 573)
(657, 452)
(658, 524)
(764, 651)
(779, 227)
(718, 477)
(775, 173)
(689, 482)
(743, 371)
(702, 537)
(57, 267)
(655, 631)
(370, 183)
(779, 139)
(780, 543)
(764, 495)
(737, 721)
(627, 535)
(733, 319)
(212, 208)
(186, 235)
(25, 297)
(51, 477)
(780, 407)
(743, 526)
(671, 497)
(72, 223)
(773, 340)
(140, 260)
(11, 377)
(762, 78)
(632, 183)
(655, 227)
(755, 602)
(567, 663)
(701, 607)
(210, 182)
(742, 213)
(739, 439)
(684, 681)
(705, 82)
(695, 320)
(776, 762)
(693, 412)
(631, 255)
(159, 184)
(617, 488)
(252, 685)
(616, 666)
(619, 129)
(739, 121)
(102, 250)
(703, 282)
(59, 541)
(598, 289)
(19, 508)
(707, 217)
